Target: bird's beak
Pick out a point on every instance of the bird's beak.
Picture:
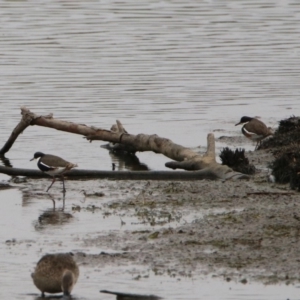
(238, 123)
(32, 159)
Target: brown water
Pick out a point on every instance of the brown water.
(179, 69)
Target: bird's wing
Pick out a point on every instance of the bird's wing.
(54, 161)
(259, 128)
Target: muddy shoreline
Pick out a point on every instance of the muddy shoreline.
(241, 231)
(237, 230)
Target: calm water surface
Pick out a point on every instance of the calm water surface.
(179, 69)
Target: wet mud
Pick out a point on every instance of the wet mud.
(236, 230)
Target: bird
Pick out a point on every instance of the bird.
(254, 129)
(55, 273)
(53, 166)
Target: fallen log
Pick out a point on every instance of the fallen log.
(184, 158)
(118, 175)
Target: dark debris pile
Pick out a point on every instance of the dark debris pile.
(236, 160)
(287, 133)
(285, 146)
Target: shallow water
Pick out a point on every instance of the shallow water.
(30, 236)
(179, 69)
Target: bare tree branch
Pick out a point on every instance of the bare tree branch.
(183, 158)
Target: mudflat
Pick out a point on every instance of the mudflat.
(239, 230)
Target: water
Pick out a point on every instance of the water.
(29, 235)
(179, 69)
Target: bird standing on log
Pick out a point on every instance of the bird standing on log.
(254, 129)
(53, 166)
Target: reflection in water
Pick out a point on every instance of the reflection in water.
(125, 161)
(53, 200)
(52, 217)
(5, 161)
(123, 157)
(29, 195)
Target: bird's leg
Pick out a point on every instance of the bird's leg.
(63, 202)
(51, 184)
(257, 144)
(43, 295)
(52, 201)
(64, 190)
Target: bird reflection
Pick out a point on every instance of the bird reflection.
(52, 217)
(126, 161)
(127, 296)
(124, 156)
(53, 200)
(29, 195)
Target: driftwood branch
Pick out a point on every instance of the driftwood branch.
(183, 158)
(23, 124)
